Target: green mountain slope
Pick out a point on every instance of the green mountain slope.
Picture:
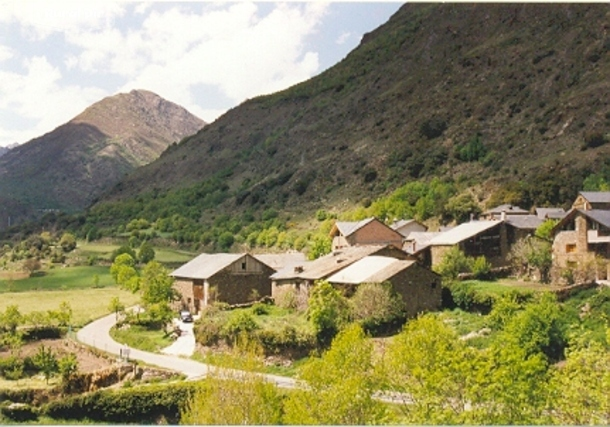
(67, 168)
(499, 95)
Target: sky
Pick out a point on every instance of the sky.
(57, 57)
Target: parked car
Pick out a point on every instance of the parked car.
(186, 316)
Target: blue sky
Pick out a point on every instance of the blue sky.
(59, 56)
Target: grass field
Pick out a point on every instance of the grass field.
(501, 286)
(86, 304)
(57, 279)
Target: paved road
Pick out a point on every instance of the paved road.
(96, 334)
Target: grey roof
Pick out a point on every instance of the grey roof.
(205, 266)
(462, 232)
(509, 209)
(348, 227)
(422, 238)
(599, 215)
(370, 269)
(550, 213)
(401, 223)
(281, 260)
(329, 264)
(524, 222)
(596, 196)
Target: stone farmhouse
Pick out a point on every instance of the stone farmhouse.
(408, 226)
(230, 278)
(418, 287)
(299, 279)
(369, 231)
(582, 238)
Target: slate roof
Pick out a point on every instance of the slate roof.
(462, 232)
(524, 222)
(598, 215)
(329, 264)
(370, 269)
(281, 260)
(596, 196)
(422, 238)
(205, 266)
(349, 227)
(550, 213)
(509, 209)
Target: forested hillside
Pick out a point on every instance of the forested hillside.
(506, 102)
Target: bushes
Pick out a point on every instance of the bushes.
(19, 412)
(134, 405)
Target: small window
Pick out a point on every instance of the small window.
(243, 265)
(433, 285)
(570, 248)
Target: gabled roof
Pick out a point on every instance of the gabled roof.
(600, 216)
(281, 260)
(347, 228)
(550, 213)
(370, 269)
(509, 209)
(596, 196)
(462, 232)
(329, 264)
(205, 266)
(524, 222)
(422, 238)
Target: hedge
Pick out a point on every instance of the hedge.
(147, 404)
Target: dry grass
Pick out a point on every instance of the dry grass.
(86, 304)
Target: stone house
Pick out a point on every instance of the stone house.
(408, 226)
(581, 243)
(369, 231)
(589, 200)
(506, 209)
(474, 238)
(300, 278)
(230, 278)
(418, 287)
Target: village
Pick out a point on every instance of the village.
(406, 254)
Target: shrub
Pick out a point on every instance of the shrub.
(433, 128)
(146, 405)
(260, 309)
(481, 268)
(375, 305)
(239, 322)
(286, 340)
(593, 140)
(19, 412)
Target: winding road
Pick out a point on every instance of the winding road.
(97, 334)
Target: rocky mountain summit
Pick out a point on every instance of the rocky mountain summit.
(67, 168)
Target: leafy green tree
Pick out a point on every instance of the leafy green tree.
(11, 319)
(46, 361)
(226, 240)
(116, 306)
(146, 253)
(123, 250)
(67, 242)
(580, 387)
(327, 310)
(156, 284)
(231, 397)
(375, 304)
(340, 386)
(453, 263)
(320, 246)
(481, 268)
(460, 207)
(544, 230)
(63, 316)
(124, 273)
(67, 366)
(430, 368)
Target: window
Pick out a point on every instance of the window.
(243, 265)
(570, 248)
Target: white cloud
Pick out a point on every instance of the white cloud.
(39, 19)
(172, 50)
(343, 38)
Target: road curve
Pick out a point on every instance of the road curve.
(97, 334)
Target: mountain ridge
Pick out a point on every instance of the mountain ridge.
(66, 168)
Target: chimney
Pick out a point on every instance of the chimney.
(503, 216)
(298, 269)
